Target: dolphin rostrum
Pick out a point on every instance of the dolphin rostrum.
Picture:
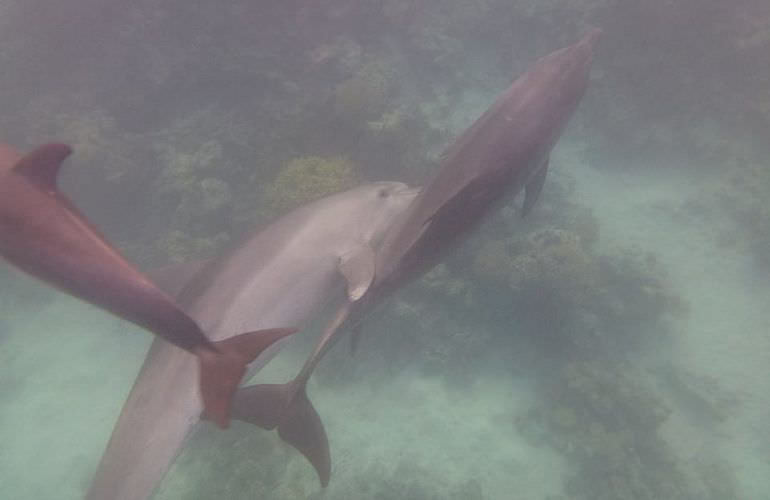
(504, 151)
(43, 234)
(280, 275)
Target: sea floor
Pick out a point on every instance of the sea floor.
(725, 337)
(66, 368)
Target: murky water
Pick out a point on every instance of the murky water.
(611, 345)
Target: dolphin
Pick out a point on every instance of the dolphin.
(505, 151)
(43, 234)
(280, 275)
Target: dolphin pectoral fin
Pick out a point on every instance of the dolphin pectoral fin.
(8, 157)
(533, 188)
(41, 166)
(287, 407)
(223, 367)
(357, 266)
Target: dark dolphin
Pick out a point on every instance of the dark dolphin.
(43, 234)
(504, 151)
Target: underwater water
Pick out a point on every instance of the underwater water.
(613, 344)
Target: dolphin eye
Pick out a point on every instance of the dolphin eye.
(383, 193)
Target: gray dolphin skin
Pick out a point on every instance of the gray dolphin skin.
(504, 151)
(43, 234)
(280, 275)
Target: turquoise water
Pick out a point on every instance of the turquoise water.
(612, 345)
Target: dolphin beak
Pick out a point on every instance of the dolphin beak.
(592, 37)
(412, 191)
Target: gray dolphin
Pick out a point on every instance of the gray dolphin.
(504, 151)
(43, 234)
(281, 274)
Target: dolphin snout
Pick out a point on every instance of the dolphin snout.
(412, 190)
(592, 36)
(404, 190)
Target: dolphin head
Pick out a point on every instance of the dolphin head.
(568, 68)
(384, 202)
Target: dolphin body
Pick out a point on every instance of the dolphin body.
(43, 234)
(505, 151)
(280, 275)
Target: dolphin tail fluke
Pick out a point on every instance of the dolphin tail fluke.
(222, 368)
(287, 407)
(302, 428)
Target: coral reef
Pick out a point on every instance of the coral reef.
(183, 170)
(308, 178)
(552, 278)
(409, 480)
(193, 201)
(605, 421)
(553, 260)
(363, 96)
(700, 396)
(211, 457)
(548, 278)
(442, 344)
(108, 167)
(738, 199)
(178, 246)
(247, 462)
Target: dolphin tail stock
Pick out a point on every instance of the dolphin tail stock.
(287, 408)
(222, 366)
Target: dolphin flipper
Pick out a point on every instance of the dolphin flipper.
(287, 407)
(357, 266)
(9, 157)
(533, 188)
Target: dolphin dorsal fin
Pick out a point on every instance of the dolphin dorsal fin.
(41, 166)
(9, 157)
(533, 187)
(357, 266)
